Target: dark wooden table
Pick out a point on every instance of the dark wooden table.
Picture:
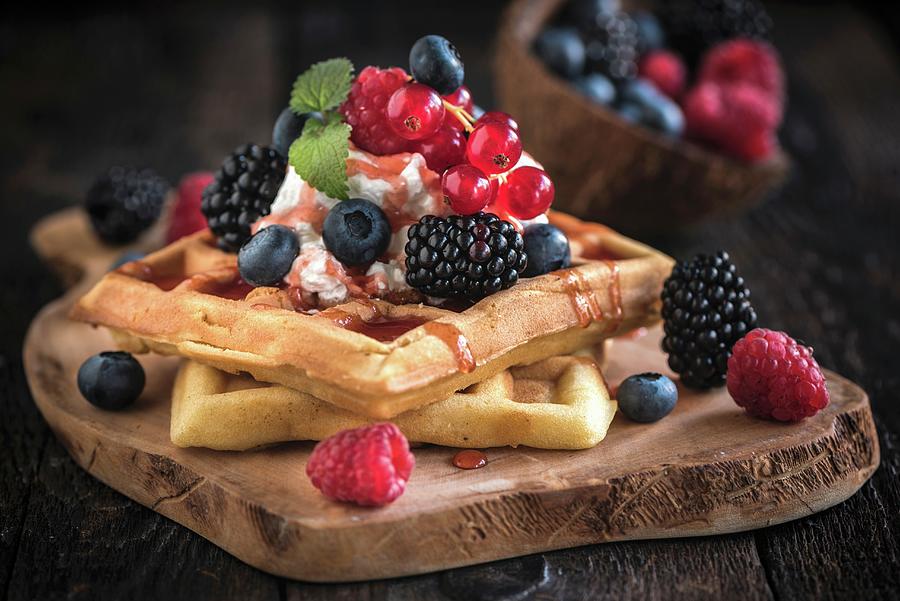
(177, 90)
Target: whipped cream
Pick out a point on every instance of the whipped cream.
(404, 188)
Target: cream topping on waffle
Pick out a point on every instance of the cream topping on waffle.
(404, 188)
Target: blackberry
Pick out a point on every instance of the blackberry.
(124, 202)
(693, 26)
(243, 191)
(611, 45)
(706, 309)
(464, 256)
(585, 11)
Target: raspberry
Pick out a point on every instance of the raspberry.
(770, 375)
(368, 466)
(666, 70)
(364, 110)
(186, 215)
(745, 61)
(739, 119)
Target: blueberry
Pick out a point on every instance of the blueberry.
(111, 380)
(647, 397)
(597, 88)
(650, 33)
(266, 258)
(585, 12)
(547, 248)
(356, 231)
(126, 257)
(288, 128)
(630, 112)
(656, 110)
(638, 91)
(663, 115)
(562, 50)
(435, 62)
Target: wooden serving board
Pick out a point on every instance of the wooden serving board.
(707, 468)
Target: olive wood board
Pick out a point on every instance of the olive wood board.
(707, 468)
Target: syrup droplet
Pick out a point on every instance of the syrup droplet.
(470, 459)
(455, 341)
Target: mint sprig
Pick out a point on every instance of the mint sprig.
(322, 87)
(320, 154)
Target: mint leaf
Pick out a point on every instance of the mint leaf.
(320, 154)
(322, 87)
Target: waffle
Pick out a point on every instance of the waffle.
(556, 403)
(187, 299)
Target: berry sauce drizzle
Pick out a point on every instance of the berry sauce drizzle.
(455, 341)
(584, 301)
(614, 288)
(470, 459)
(386, 329)
(145, 272)
(379, 327)
(234, 288)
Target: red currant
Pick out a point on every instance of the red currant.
(444, 149)
(415, 111)
(495, 189)
(528, 192)
(498, 117)
(467, 189)
(494, 147)
(462, 97)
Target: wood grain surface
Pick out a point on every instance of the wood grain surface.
(178, 88)
(708, 468)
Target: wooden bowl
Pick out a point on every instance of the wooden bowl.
(604, 168)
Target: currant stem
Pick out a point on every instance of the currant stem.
(461, 115)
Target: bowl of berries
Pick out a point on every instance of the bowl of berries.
(663, 116)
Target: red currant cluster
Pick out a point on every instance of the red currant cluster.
(477, 157)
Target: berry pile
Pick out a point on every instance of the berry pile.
(711, 340)
(432, 113)
(466, 257)
(633, 63)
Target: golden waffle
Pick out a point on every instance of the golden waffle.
(556, 403)
(184, 300)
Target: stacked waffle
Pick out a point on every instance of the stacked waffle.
(518, 367)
